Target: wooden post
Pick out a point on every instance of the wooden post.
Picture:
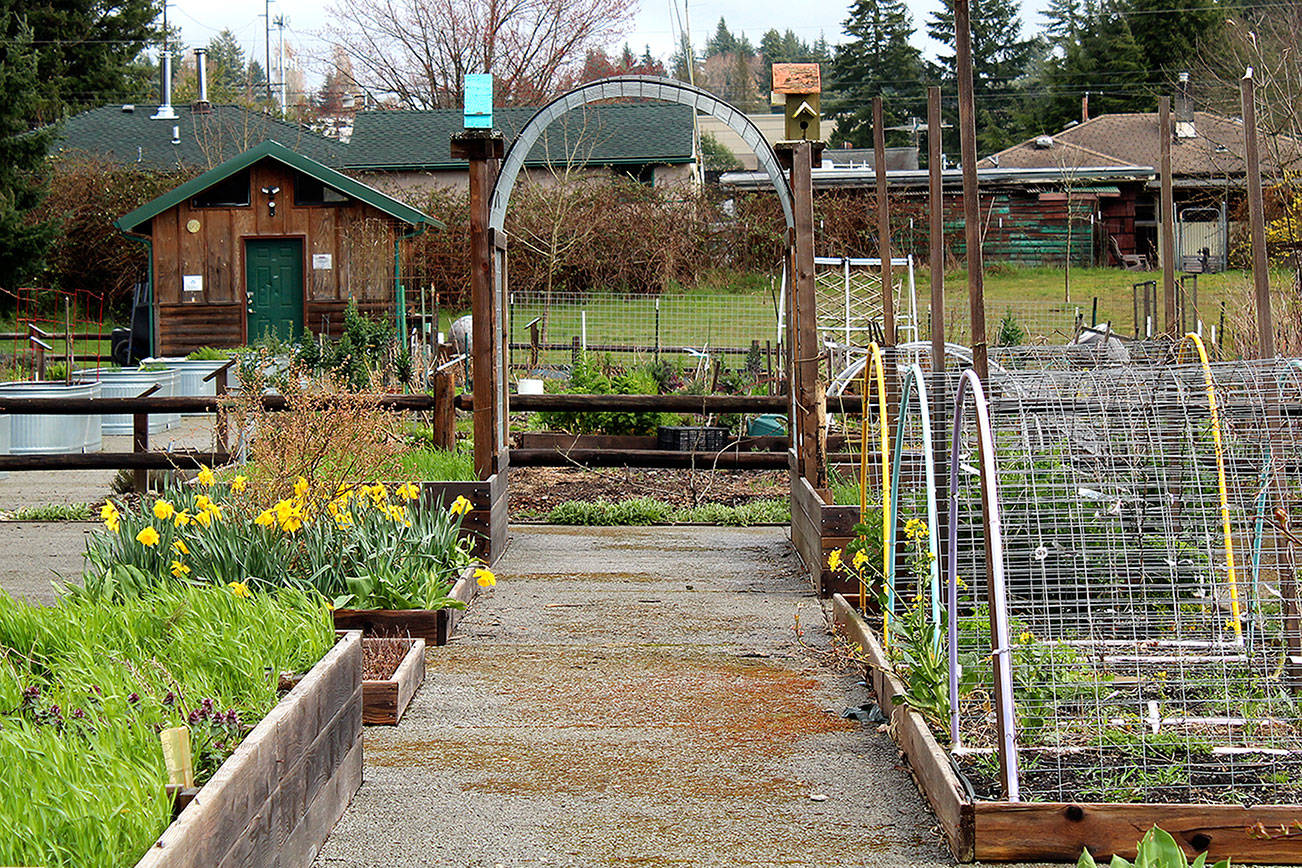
(1167, 217)
(805, 351)
(482, 149)
(883, 223)
(1257, 220)
(140, 442)
(221, 386)
(576, 351)
(445, 419)
(976, 300)
(971, 194)
(936, 251)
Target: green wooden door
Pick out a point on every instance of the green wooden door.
(273, 275)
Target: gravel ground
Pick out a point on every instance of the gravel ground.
(631, 697)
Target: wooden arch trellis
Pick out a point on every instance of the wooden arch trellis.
(493, 171)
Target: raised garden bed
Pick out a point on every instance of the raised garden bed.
(274, 800)
(817, 527)
(386, 693)
(486, 521)
(435, 626)
(1001, 831)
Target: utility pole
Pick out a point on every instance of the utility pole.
(266, 20)
(280, 26)
(1167, 214)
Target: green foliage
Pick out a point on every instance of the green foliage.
(1011, 333)
(877, 60)
(86, 683)
(54, 512)
(209, 354)
(24, 241)
(1157, 849)
(716, 155)
(646, 511)
(364, 355)
(589, 378)
(436, 465)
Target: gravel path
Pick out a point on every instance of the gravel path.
(635, 697)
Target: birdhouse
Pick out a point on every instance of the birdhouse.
(796, 87)
(479, 102)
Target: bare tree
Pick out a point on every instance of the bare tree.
(421, 50)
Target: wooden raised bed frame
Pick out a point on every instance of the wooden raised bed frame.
(1034, 831)
(384, 701)
(435, 626)
(274, 800)
(817, 527)
(486, 521)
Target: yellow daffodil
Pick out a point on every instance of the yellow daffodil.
(163, 511)
(204, 518)
(112, 518)
(291, 523)
(206, 478)
(183, 518)
(301, 486)
(485, 578)
(179, 569)
(344, 519)
(240, 589)
(148, 536)
(239, 483)
(202, 502)
(834, 560)
(266, 519)
(284, 509)
(460, 506)
(214, 510)
(408, 491)
(180, 548)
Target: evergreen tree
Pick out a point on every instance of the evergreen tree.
(23, 171)
(877, 61)
(88, 49)
(1171, 37)
(1001, 62)
(1104, 59)
(227, 75)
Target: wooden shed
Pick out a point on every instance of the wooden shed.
(269, 241)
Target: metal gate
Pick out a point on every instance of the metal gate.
(1202, 237)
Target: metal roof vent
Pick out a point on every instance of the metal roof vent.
(176, 135)
(165, 112)
(201, 105)
(128, 109)
(1043, 143)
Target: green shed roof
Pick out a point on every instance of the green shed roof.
(130, 136)
(608, 134)
(282, 154)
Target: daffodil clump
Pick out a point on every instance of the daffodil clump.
(362, 546)
(85, 685)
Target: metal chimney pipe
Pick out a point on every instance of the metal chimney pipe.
(201, 69)
(1184, 116)
(165, 111)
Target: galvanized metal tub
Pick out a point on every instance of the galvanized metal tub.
(31, 434)
(131, 383)
(190, 378)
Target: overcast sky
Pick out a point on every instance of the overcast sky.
(305, 19)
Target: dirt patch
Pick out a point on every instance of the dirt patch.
(535, 490)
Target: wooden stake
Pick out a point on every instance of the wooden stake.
(1167, 217)
(1257, 220)
(936, 249)
(883, 223)
(976, 300)
(971, 200)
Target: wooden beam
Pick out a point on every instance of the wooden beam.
(936, 254)
(1257, 220)
(971, 194)
(1167, 216)
(699, 404)
(883, 222)
(807, 351)
(483, 315)
(114, 461)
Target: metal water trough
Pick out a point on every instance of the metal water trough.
(132, 383)
(63, 435)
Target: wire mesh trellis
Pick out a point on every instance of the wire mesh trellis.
(1146, 610)
(848, 303)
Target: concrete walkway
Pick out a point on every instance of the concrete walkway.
(633, 697)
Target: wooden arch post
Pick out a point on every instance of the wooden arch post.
(483, 149)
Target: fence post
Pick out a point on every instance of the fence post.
(140, 442)
(445, 421)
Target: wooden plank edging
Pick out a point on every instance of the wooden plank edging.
(384, 700)
(258, 798)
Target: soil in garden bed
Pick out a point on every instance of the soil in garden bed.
(535, 490)
(1118, 775)
(381, 657)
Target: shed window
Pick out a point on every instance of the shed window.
(310, 191)
(231, 191)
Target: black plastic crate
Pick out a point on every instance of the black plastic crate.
(691, 438)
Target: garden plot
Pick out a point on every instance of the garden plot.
(1143, 620)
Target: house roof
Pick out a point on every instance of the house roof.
(1131, 139)
(205, 138)
(593, 135)
(282, 154)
